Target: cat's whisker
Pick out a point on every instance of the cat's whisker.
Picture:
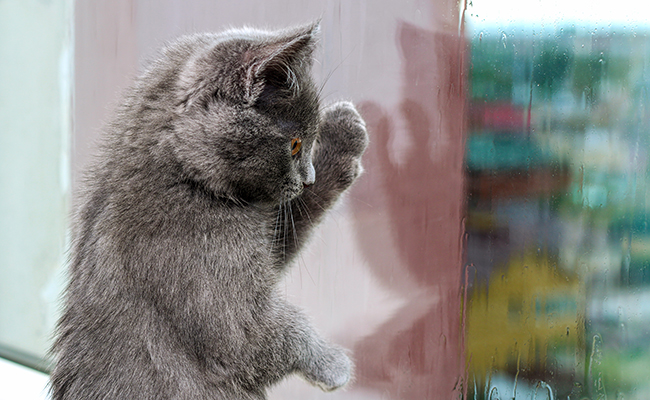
(335, 211)
(314, 196)
(293, 226)
(284, 238)
(327, 78)
(303, 207)
(276, 230)
(306, 209)
(280, 236)
(295, 239)
(329, 75)
(359, 200)
(297, 199)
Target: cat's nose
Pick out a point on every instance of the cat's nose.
(307, 183)
(310, 177)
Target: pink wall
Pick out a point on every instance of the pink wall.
(105, 58)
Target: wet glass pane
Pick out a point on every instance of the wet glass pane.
(556, 223)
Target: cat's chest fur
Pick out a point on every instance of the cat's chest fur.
(235, 240)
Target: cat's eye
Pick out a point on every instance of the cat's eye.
(295, 146)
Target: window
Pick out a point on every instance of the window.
(497, 245)
(557, 172)
(36, 50)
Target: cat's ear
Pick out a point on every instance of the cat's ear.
(272, 69)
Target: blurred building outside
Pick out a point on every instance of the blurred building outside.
(558, 244)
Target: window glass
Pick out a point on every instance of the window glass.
(557, 178)
(35, 123)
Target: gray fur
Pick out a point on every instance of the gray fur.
(190, 215)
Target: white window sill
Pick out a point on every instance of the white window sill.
(21, 383)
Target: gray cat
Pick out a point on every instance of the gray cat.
(212, 174)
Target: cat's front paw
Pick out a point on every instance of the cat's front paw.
(343, 139)
(331, 371)
(344, 129)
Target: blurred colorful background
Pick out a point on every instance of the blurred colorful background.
(558, 246)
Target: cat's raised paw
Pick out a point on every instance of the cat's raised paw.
(332, 371)
(344, 128)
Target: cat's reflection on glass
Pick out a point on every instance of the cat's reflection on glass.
(411, 205)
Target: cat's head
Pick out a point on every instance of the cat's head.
(245, 111)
